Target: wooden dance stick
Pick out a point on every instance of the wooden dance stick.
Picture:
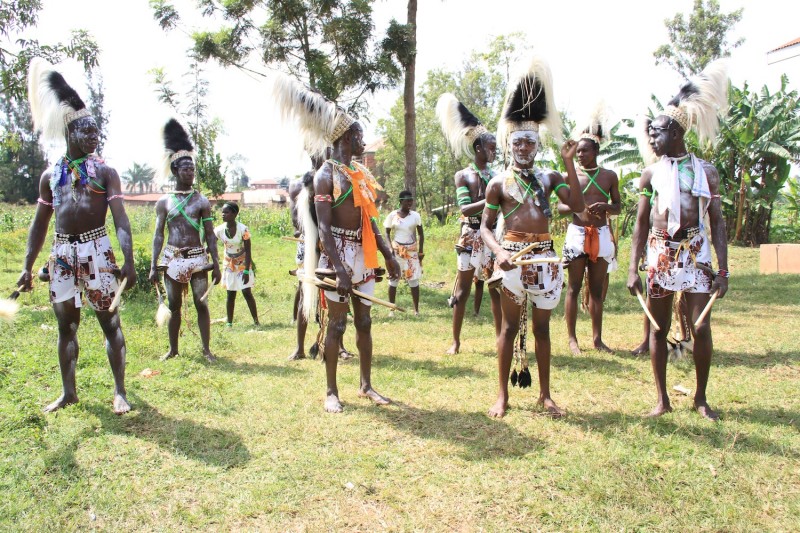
(535, 261)
(118, 297)
(706, 309)
(293, 239)
(522, 252)
(328, 282)
(646, 310)
(205, 296)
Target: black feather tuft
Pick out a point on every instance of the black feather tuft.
(525, 380)
(514, 378)
(688, 89)
(467, 118)
(175, 137)
(527, 101)
(66, 94)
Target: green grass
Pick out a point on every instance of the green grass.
(244, 443)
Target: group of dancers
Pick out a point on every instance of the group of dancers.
(504, 240)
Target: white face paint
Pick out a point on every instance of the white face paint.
(524, 146)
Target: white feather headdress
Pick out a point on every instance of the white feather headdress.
(319, 121)
(529, 103)
(461, 128)
(54, 104)
(595, 128)
(701, 101)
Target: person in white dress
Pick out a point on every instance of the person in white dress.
(238, 274)
(408, 250)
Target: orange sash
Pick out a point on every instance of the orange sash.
(591, 242)
(364, 197)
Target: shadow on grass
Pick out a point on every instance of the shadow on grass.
(770, 417)
(432, 368)
(762, 360)
(236, 367)
(703, 433)
(212, 446)
(472, 436)
(587, 363)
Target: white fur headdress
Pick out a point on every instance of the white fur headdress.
(320, 122)
(529, 103)
(177, 145)
(461, 128)
(54, 104)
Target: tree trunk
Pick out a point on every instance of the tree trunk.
(410, 114)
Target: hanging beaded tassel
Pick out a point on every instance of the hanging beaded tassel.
(524, 379)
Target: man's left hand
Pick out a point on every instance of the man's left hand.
(720, 284)
(597, 208)
(216, 275)
(568, 150)
(393, 267)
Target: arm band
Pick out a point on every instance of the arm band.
(246, 272)
(492, 206)
(45, 202)
(464, 201)
(323, 198)
(555, 189)
(206, 219)
(462, 190)
(645, 192)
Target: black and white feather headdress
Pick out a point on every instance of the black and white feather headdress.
(320, 122)
(698, 106)
(461, 128)
(177, 144)
(529, 103)
(54, 104)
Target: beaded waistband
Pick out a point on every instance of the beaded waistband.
(348, 234)
(514, 246)
(680, 235)
(188, 253)
(86, 236)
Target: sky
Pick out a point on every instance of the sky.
(596, 50)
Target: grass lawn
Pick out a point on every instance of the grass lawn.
(244, 443)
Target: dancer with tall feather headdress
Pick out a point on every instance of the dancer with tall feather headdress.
(186, 215)
(79, 190)
(521, 195)
(680, 195)
(589, 245)
(344, 196)
(468, 137)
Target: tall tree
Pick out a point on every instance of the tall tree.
(22, 159)
(324, 43)
(139, 175)
(699, 39)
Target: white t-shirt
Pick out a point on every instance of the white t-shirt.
(404, 229)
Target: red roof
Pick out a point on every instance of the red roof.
(151, 198)
(787, 45)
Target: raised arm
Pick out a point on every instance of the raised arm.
(38, 231)
(121, 224)
(570, 196)
(640, 231)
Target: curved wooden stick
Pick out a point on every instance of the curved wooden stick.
(205, 296)
(293, 239)
(706, 309)
(331, 284)
(524, 251)
(646, 310)
(118, 296)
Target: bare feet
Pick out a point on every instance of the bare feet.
(332, 404)
(62, 401)
(344, 355)
(600, 346)
(705, 411)
(642, 349)
(659, 410)
(297, 355)
(121, 405)
(169, 355)
(573, 347)
(210, 357)
(376, 398)
(552, 409)
(454, 348)
(498, 410)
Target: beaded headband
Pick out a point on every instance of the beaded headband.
(677, 114)
(474, 133)
(179, 154)
(72, 116)
(525, 125)
(591, 137)
(343, 123)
